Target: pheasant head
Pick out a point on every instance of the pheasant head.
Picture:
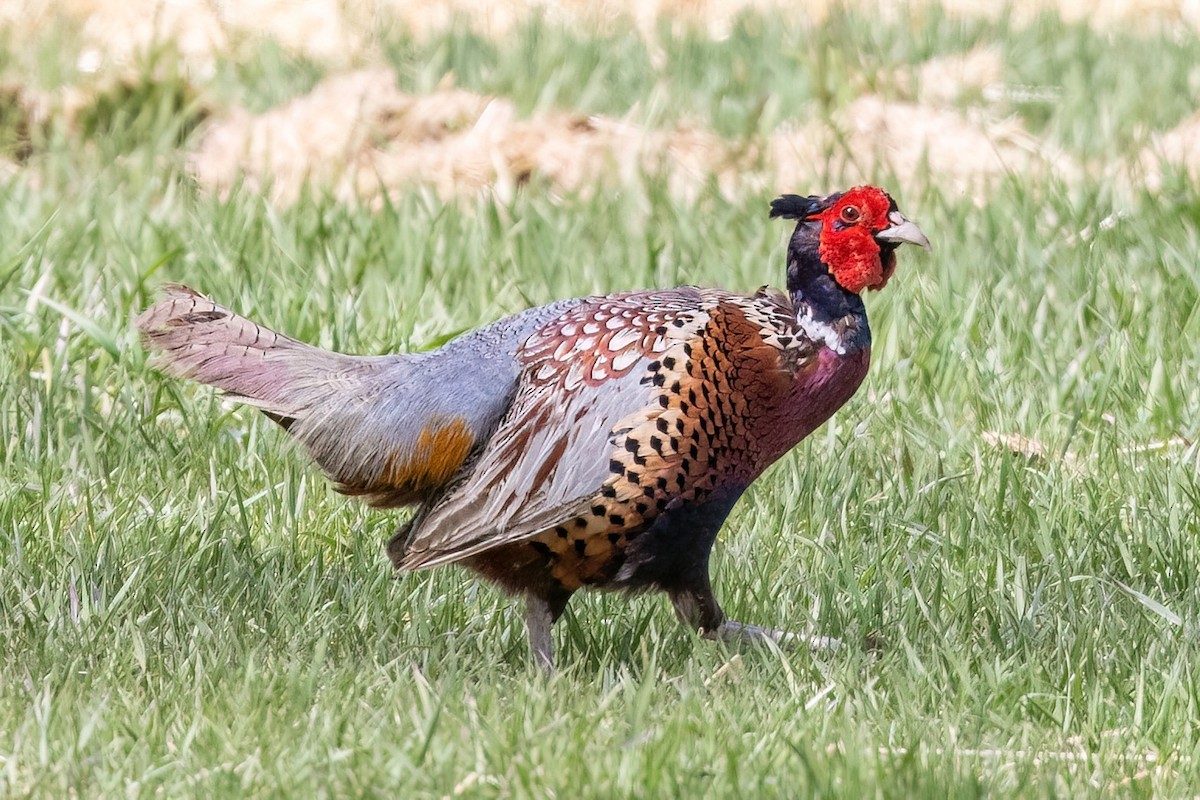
(856, 234)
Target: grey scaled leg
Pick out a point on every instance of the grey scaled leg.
(540, 615)
(697, 608)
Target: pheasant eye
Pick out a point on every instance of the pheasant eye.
(851, 214)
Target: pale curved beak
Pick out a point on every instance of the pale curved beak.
(903, 232)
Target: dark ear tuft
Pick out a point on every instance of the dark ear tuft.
(793, 206)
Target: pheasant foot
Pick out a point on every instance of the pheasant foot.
(741, 633)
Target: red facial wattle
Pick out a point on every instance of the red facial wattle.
(848, 246)
(853, 258)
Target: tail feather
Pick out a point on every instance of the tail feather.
(393, 429)
(198, 339)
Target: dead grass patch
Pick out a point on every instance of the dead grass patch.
(918, 144)
(945, 80)
(1178, 149)
(359, 136)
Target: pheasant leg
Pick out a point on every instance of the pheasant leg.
(540, 615)
(697, 608)
(539, 620)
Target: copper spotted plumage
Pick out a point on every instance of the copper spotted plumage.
(596, 442)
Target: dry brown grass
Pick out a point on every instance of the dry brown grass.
(1178, 148)
(359, 136)
(944, 80)
(917, 143)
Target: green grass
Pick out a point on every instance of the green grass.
(186, 607)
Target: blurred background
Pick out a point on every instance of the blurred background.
(1011, 500)
(363, 99)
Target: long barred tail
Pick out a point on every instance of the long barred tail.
(195, 338)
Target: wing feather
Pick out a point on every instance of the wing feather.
(583, 374)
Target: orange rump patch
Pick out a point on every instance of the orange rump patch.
(439, 453)
(405, 479)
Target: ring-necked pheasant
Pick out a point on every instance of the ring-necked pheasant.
(595, 442)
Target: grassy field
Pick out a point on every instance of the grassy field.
(1011, 501)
